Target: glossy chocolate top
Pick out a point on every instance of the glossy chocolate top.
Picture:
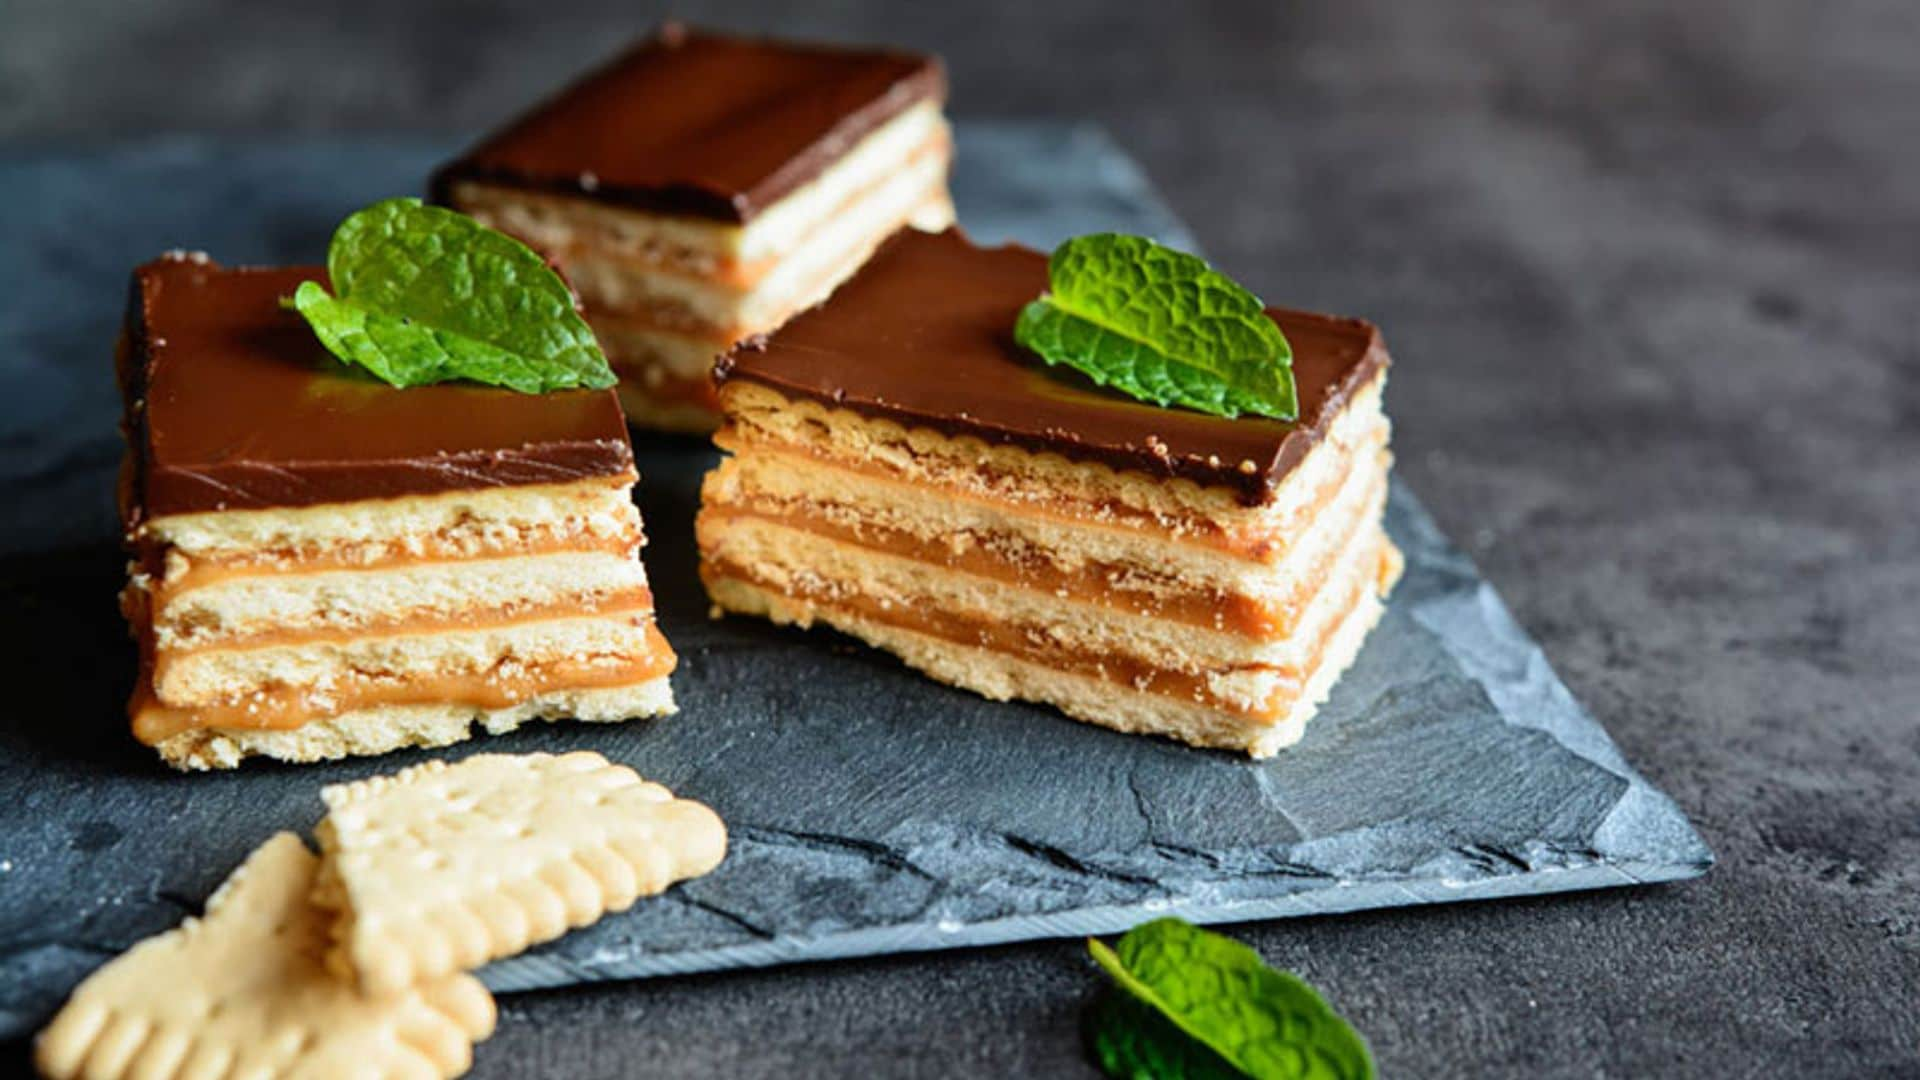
(697, 123)
(923, 335)
(233, 404)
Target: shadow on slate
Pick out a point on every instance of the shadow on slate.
(871, 810)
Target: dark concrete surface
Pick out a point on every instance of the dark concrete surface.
(1652, 273)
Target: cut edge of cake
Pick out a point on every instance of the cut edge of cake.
(1207, 603)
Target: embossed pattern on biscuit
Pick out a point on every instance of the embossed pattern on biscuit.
(441, 868)
(245, 991)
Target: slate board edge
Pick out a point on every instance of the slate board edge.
(1516, 651)
(536, 971)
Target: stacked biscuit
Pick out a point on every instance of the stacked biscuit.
(327, 566)
(354, 963)
(703, 188)
(900, 472)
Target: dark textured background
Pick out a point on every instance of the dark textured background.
(1653, 272)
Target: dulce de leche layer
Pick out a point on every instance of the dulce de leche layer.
(923, 335)
(703, 124)
(233, 404)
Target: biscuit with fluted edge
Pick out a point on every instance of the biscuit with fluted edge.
(441, 868)
(245, 991)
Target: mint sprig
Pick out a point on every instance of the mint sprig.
(1178, 985)
(426, 295)
(1159, 325)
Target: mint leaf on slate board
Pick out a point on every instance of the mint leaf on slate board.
(1161, 326)
(1191, 1004)
(427, 295)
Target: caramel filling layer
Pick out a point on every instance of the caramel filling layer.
(635, 602)
(1131, 588)
(506, 685)
(981, 631)
(1202, 532)
(663, 314)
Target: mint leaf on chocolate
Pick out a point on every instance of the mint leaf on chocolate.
(1159, 325)
(1190, 1003)
(425, 295)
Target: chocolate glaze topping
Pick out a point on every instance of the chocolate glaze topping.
(703, 124)
(233, 404)
(923, 335)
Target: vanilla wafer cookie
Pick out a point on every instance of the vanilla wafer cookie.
(245, 991)
(441, 868)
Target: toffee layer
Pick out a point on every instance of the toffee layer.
(199, 628)
(828, 571)
(1278, 690)
(381, 728)
(284, 708)
(1122, 586)
(1002, 677)
(761, 422)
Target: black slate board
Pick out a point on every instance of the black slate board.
(871, 810)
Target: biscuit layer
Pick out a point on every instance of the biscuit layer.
(469, 524)
(380, 729)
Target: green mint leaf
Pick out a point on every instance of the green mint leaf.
(1217, 992)
(1130, 1040)
(427, 295)
(1161, 326)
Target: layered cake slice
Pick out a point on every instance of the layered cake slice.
(702, 188)
(904, 472)
(327, 565)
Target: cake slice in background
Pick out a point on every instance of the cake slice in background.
(902, 471)
(326, 565)
(702, 188)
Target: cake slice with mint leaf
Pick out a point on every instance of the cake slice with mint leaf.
(1112, 481)
(702, 187)
(378, 504)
